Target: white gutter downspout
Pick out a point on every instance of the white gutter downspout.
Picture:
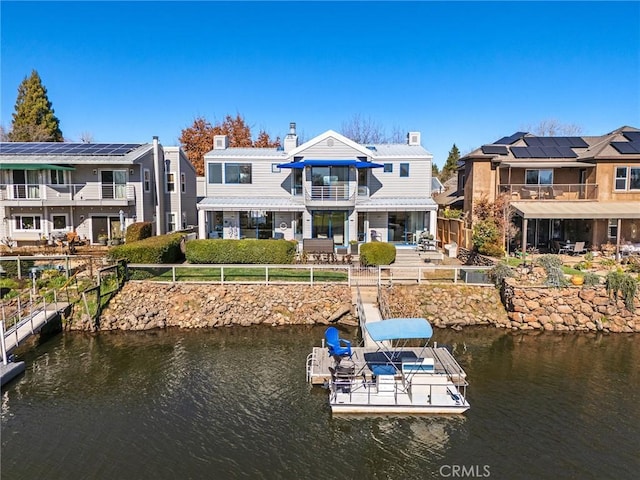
(158, 169)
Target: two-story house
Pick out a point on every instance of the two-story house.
(327, 187)
(583, 188)
(95, 189)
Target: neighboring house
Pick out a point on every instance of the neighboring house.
(561, 188)
(328, 187)
(50, 189)
(450, 195)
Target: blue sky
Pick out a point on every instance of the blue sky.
(459, 72)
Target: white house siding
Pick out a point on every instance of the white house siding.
(339, 150)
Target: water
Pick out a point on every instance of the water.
(233, 403)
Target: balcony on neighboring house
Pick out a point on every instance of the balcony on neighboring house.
(68, 194)
(560, 191)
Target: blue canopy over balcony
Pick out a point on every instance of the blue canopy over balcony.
(330, 163)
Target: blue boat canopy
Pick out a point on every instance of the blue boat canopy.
(330, 163)
(399, 328)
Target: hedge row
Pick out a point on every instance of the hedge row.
(251, 251)
(160, 249)
(377, 253)
(138, 231)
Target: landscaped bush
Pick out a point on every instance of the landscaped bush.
(486, 236)
(160, 249)
(377, 253)
(499, 272)
(591, 279)
(552, 265)
(622, 283)
(138, 231)
(491, 249)
(248, 251)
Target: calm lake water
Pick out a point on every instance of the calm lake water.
(233, 403)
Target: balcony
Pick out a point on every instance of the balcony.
(559, 192)
(335, 195)
(69, 194)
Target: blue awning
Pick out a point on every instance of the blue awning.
(330, 163)
(399, 328)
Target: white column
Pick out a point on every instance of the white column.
(202, 224)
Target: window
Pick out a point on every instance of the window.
(627, 178)
(57, 177)
(237, 173)
(539, 177)
(171, 182)
(59, 222)
(275, 168)
(183, 183)
(215, 172)
(404, 169)
(388, 167)
(147, 180)
(171, 221)
(114, 183)
(27, 222)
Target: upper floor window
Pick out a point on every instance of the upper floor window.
(404, 169)
(172, 221)
(171, 182)
(215, 173)
(57, 177)
(147, 180)
(237, 173)
(388, 168)
(183, 183)
(539, 177)
(627, 178)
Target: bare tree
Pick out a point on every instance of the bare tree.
(86, 137)
(553, 128)
(363, 130)
(4, 135)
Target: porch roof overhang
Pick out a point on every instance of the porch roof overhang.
(231, 204)
(577, 210)
(330, 163)
(405, 204)
(33, 166)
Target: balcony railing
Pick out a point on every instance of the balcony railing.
(68, 192)
(560, 191)
(331, 194)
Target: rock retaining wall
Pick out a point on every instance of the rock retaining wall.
(148, 305)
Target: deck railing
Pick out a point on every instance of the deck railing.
(53, 192)
(558, 191)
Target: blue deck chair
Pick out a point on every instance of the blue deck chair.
(338, 347)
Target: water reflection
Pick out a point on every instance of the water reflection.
(233, 403)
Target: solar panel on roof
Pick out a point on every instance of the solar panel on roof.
(533, 141)
(577, 142)
(511, 139)
(494, 149)
(567, 152)
(520, 152)
(632, 136)
(626, 147)
(60, 148)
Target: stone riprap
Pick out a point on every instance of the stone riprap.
(148, 305)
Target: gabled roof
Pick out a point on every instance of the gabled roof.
(336, 136)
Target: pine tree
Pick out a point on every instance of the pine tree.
(34, 119)
(451, 165)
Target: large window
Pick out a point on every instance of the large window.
(27, 222)
(627, 178)
(215, 173)
(114, 183)
(237, 173)
(57, 177)
(539, 177)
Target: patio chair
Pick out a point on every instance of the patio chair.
(338, 347)
(578, 249)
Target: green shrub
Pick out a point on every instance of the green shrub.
(499, 272)
(160, 249)
(485, 232)
(247, 251)
(552, 265)
(138, 231)
(377, 253)
(591, 279)
(491, 249)
(619, 282)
